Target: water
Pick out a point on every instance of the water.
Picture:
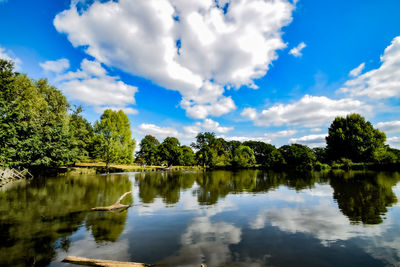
(220, 218)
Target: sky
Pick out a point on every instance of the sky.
(277, 71)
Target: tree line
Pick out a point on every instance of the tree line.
(39, 128)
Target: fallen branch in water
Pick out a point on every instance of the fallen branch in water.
(105, 263)
(116, 206)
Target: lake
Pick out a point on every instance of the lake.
(217, 218)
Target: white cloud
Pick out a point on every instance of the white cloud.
(389, 126)
(157, 131)
(9, 55)
(323, 221)
(309, 111)
(91, 85)
(394, 142)
(200, 54)
(296, 51)
(280, 134)
(246, 138)
(207, 125)
(357, 71)
(315, 130)
(383, 82)
(57, 66)
(313, 140)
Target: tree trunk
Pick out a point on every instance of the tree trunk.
(116, 206)
(105, 263)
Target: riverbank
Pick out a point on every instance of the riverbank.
(86, 168)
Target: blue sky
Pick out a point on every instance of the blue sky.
(277, 71)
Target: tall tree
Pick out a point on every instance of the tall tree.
(205, 144)
(34, 128)
(82, 134)
(170, 151)
(353, 138)
(187, 156)
(148, 150)
(113, 138)
(266, 155)
(298, 156)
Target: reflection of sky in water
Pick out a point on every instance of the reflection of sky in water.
(281, 227)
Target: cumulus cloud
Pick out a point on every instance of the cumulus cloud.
(394, 141)
(57, 66)
(187, 133)
(198, 48)
(313, 140)
(9, 55)
(206, 242)
(280, 134)
(309, 111)
(323, 221)
(389, 126)
(380, 83)
(246, 138)
(91, 85)
(296, 51)
(357, 71)
(157, 131)
(207, 125)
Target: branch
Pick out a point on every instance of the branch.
(117, 205)
(104, 263)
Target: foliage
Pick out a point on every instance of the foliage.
(82, 135)
(266, 155)
(148, 150)
(34, 126)
(298, 156)
(205, 144)
(187, 156)
(353, 138)
(170, 151)
(243, 156)
(113, 141)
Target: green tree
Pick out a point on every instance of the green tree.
(353, 138)
(243, 156)
(266, 155)
(187, 156)
(170, 151)
(205, 145)
(82, 135)
(148, 150)
(34, 122)
(298, 156)
(113, 138)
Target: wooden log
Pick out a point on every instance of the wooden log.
(116, 206)
(104, 263)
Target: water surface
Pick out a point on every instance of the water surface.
(219, 218)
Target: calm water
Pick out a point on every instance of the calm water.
(221, 218)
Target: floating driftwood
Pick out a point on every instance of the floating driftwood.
(116, 206)
(105, 263)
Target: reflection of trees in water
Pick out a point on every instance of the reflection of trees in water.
(34, 217)
(166, 185)
(364, 196)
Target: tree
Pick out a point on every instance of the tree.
(206, 154)
(187, 156)
(82, 134)
(148, 150)
(353, 138)
(170, 151)
(113, 138)
(34, 120)
(298, 156)
(243, 156)
(266, 155)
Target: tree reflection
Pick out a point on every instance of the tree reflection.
(364, 196)
(37, 218)
(166, 185)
